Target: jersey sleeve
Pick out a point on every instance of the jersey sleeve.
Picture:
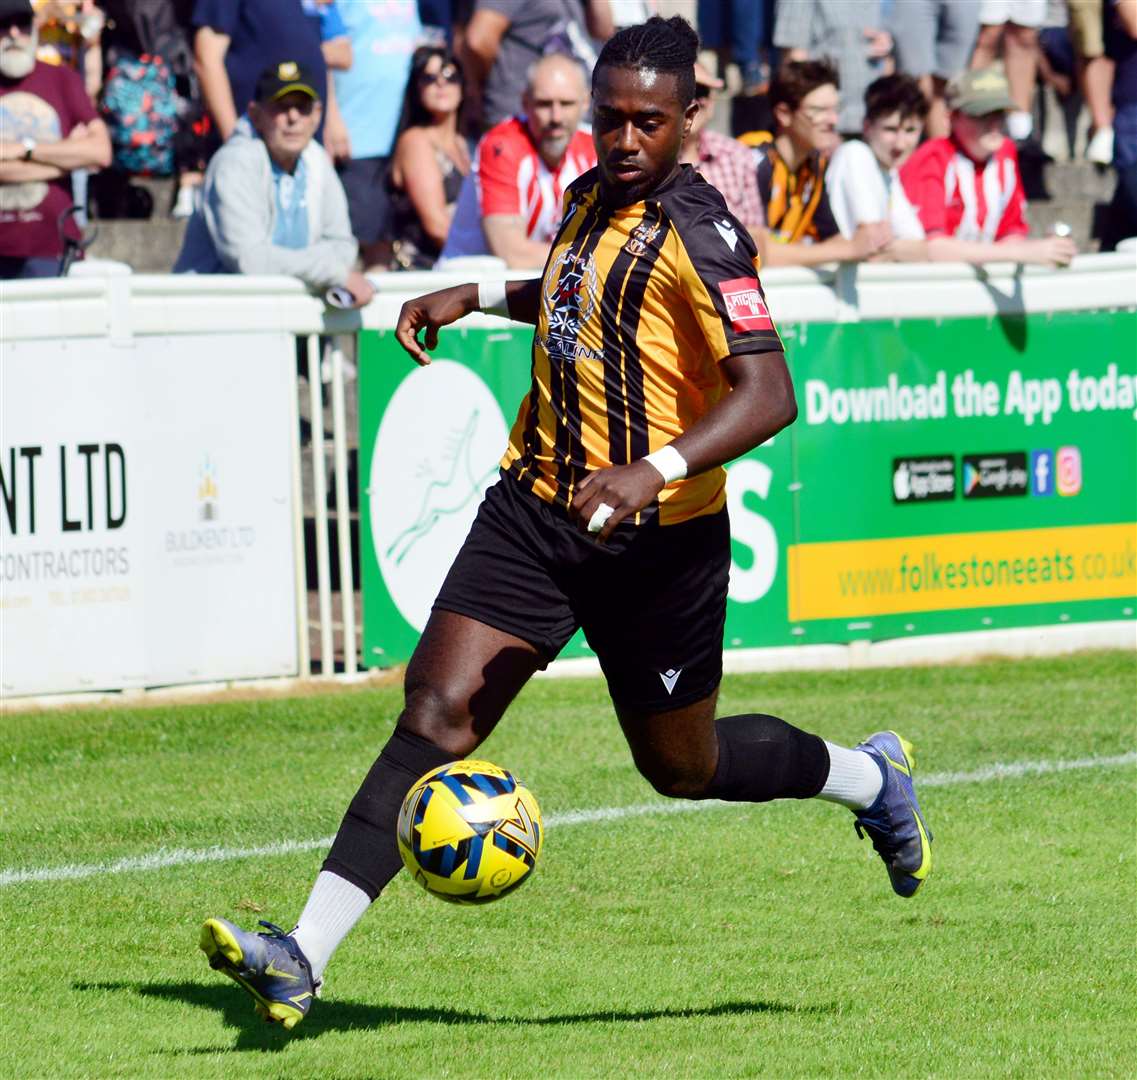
(497, 175)
(923, 179)
(718, 275)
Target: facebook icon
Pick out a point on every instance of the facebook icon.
(1042, 472)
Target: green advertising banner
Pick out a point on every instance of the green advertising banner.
(941, 476)
(963, 474)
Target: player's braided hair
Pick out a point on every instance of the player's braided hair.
(667, 45)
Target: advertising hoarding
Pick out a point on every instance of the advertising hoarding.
(942, 475)
(146, 516)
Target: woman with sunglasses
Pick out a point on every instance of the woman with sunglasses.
(430, 159)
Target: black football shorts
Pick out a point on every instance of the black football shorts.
(651, 601)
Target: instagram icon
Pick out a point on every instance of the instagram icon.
(1069, 468)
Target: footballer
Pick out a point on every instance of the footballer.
(655, 361)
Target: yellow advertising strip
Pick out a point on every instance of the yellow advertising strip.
(856, 578)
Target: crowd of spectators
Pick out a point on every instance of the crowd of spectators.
(321, 138)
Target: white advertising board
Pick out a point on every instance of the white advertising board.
(146, 517)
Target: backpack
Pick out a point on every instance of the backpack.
(140, 107)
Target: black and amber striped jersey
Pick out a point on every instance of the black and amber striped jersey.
(639, 304)
(796, 203)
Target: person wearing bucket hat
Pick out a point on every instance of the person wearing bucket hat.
(273, 203)
(967, 188)
(50, 130)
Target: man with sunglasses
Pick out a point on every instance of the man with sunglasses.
(273, 203)
(49, 129)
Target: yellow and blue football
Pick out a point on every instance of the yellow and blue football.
(470, 832)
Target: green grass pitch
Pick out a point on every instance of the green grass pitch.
(717, 942)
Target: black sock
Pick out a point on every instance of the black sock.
(365, 851)
(763, 758)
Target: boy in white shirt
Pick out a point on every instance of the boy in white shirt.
(863, 179)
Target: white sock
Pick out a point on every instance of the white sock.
(855, 779)
(334, 906)
(1019, 125)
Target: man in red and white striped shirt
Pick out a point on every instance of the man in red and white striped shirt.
(967, 188)
(510, 203)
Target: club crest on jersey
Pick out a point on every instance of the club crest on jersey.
(641, 239)
(569, 298)
(570, 286)
(745, 307)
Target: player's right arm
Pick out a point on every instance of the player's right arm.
(437, 309)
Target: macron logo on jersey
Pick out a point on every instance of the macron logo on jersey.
(745, 307)
(726, 231)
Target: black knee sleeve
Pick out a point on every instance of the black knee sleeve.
(365, 851)
(763, 758)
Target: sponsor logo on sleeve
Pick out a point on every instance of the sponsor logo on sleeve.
(994, 476)
(923, 479)
(745, 307)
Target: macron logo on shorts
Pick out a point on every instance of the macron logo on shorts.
(670, 677)
(745, 307)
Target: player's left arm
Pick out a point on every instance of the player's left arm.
(760, 404)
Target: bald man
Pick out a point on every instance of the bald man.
(510, 203)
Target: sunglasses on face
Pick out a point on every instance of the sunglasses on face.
(445, 77)
(702, 93)
(20, 23)
(303, 106)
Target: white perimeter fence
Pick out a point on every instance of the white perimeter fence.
(155, 440)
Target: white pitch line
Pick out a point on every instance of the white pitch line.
(163, 858)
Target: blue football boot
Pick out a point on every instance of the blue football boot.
(894, 822)
(269, 965)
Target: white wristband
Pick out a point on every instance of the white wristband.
(669, 463)
(491, 298)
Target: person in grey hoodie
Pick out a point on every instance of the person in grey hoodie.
(273, 203)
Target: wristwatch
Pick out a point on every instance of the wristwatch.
(29, 145)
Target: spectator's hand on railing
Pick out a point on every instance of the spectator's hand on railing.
(360, 288)
(871, 239)
(1055, 251)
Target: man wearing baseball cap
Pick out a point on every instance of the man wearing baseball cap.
(49, 129)
(273, 203)
(967, 188)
